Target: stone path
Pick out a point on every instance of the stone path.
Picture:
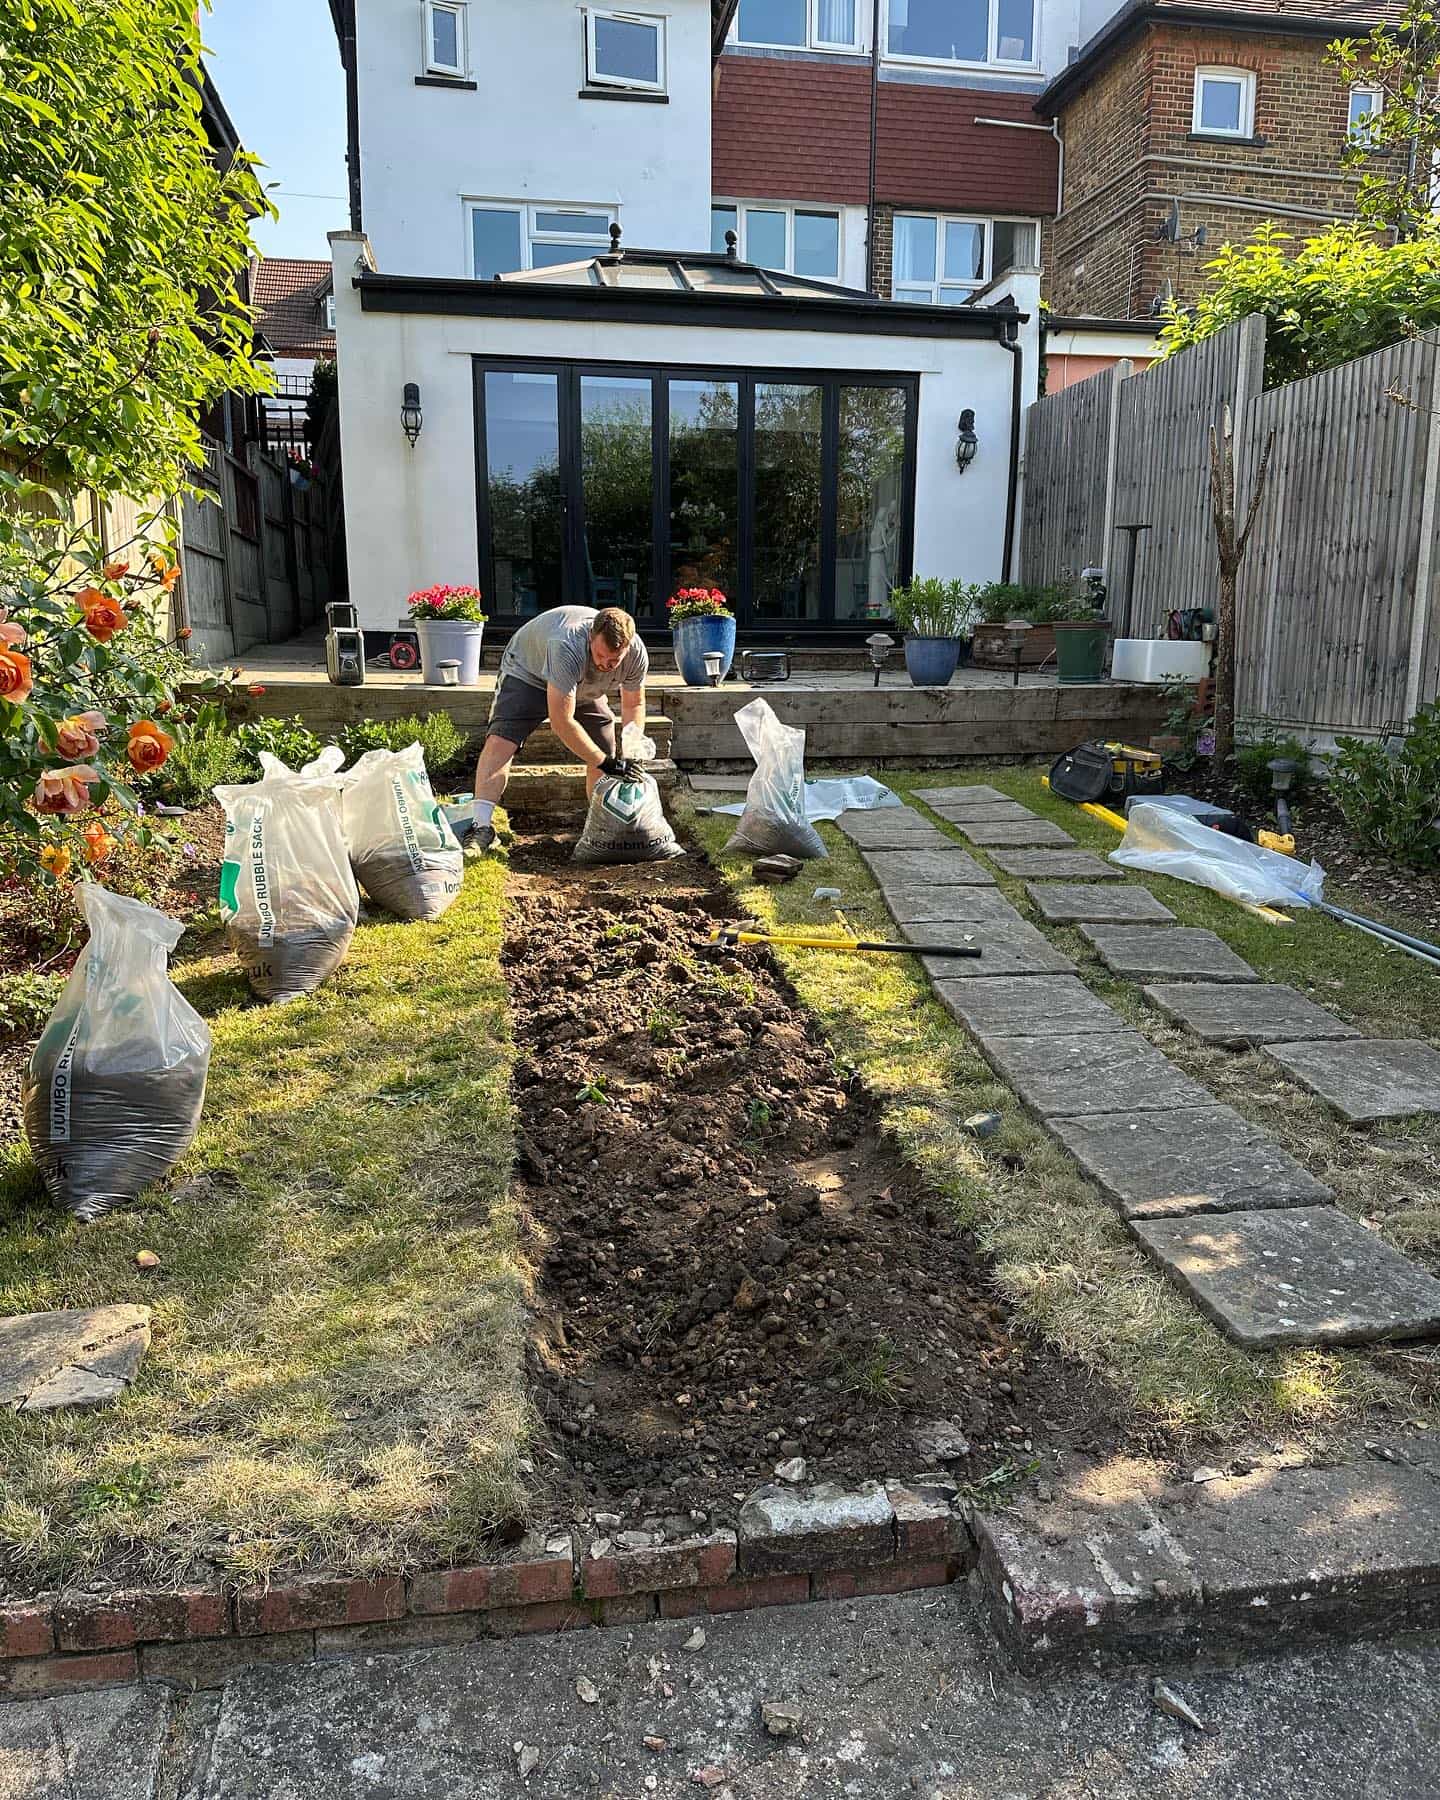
(1216, 1201)
(86, 1356)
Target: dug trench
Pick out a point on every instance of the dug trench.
(740, 1269)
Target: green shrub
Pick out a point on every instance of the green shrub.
(26, 1001)
(1002, 600)
(437, 735)
(290, 739)
(209, 756)
(1390, 797)
(1253, 759)
(928, 607)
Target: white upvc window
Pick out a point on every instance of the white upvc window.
(963, 32)
(625, 50)
(506, 236)
(444, 50)
(941, 260)
(327, 311)
(1224, 103)
(1365, 104)
(800, 24)
(796, 240)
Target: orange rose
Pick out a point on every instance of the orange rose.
(56, 858)
(256, 688)
(79, 735)
(170, 577)
(167, 573)
(15, 678)
(103, 616)
(98, 842)
(65, 790)
(11, 636)
(117, 571)
(184, 632)
(148, 746)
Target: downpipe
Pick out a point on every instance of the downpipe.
(1010, 340)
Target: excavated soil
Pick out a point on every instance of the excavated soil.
(741, 1269)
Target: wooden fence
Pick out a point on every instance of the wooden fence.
(255, 554)
(1339, 603)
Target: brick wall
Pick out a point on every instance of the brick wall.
(1130, 155)
(883, 227)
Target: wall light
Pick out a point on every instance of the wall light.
(412, 418)
(967, 443)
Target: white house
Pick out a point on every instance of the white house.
(608, 406)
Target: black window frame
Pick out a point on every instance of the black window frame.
(747, 376)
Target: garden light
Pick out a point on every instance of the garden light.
(1016, 631)
(412, 417)
(1282, 779)
(879, 647)
(967, 443)
(714, 664)
(449, 671)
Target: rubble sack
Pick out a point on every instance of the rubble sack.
(114, 1089)
(402, 849)
(773, 822)
(626, 824)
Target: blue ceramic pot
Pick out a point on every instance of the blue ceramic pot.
(931, 661)
(694, 639)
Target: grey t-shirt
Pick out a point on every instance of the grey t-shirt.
(554, 647)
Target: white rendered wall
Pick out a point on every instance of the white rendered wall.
(524, 134)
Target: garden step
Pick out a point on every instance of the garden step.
(543, 746)
(558, 789)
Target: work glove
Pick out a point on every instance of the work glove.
(621, 767)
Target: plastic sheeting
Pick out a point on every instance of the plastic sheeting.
(1163, 841)
(828, 799)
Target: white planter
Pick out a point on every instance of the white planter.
(1159, 660)
(443, 640)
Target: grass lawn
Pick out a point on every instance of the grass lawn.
(1062, 1256)
(335, 1377)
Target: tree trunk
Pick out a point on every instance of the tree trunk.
(1231, 551)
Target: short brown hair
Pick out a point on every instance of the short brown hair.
(615, 626)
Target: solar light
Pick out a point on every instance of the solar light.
(449, 672)
(412, 418)
(714, 663)
(1282, 779)
(1016, 632)
(879, 647)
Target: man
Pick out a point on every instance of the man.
(560, 666)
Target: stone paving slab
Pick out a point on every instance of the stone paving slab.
(1018, 834)
(1055, 865)
(948, 905)
(85, 1356)
(1085, 1073)
(951, 867)
(1306, 1275)
(891, 828)
(975, 793)
(1172, 952)
(990, 812)
(1236, 1013)
(1008, 947)
(1027, 1006)
(1367, 1078)
(1198, 1159)
(1070, 903)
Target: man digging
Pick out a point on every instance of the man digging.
(561, 666)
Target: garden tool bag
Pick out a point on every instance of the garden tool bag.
(113, 1092)
(402, 849)
(287, 893)
(773, 822)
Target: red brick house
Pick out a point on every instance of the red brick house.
(294, 301)
(1186, 124)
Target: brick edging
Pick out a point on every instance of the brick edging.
(791, 1546)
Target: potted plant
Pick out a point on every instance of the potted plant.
(701, 624)
(1039, 606)
(935, 618)
(451, 627)
(1081, 634)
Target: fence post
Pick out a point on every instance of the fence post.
(1121, 372)
(1425, 559)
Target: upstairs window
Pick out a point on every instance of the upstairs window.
(943, 261)
(445, 49)
(625, 50)
(800, 24)
(962, 31)
(1224, 103)
(327, 311)
(506, 238)
(1365, 103)
(797, 240)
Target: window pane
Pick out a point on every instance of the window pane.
(787, 502)
(835, 21)
(1364, 104)
(915, 296)
(914, 249)
(627, 51)
(445, 39)
(615, 474)
(497, 240)
(574, 224)
(817, 244)
(772, 22)
(954, 296)
(964, 251)
(871, 480)
(951, 30)
(722, 219)
(1220, 105)
(1015, 31)
(704, 484)
(1014, 246)
(522, 446)
(765, 238)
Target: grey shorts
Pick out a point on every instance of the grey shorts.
(520, 709)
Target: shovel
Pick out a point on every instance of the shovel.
(731, 936)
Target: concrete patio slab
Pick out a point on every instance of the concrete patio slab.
(951, 867)
(86, 1356)
(990, 812)
(891, 828)
(1088, 1073)
(1070, 903)
(975, 793)
(1367, 1078)
(1236, 1014)
(1055, 865)
(1007, 947)
(1303, 1275)
(948, 905)
(1017, 834)
(1199, 1159)
(1171, 952)
(1027, 1006)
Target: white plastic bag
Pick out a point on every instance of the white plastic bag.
(287, 892)
(402, 849)
(773, 822)
(1164, 841)
(114, 1089)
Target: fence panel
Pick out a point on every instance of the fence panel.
(277, 547)
(1068, 442)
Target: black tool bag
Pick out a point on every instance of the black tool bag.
(1083, 774)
